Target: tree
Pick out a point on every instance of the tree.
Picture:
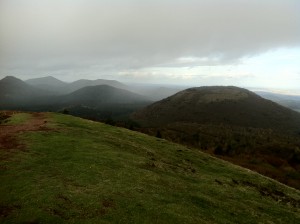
(65, 111)
(218, 150)
(158, 134)
(110, 121)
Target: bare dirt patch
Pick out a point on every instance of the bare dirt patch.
(9, 133)
(7, 210)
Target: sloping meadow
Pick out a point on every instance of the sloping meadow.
(79, 171)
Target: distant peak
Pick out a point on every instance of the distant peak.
(50, 77)
(47, 80)
(11, 79)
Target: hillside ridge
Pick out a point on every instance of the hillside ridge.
(92, 172)
(232, 123)
(220, 105)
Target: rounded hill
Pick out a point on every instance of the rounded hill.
(102, 95)
(219, 105)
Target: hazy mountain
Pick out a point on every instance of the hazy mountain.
(155, 92)
(71, 87)
(233, 123)
(290, 101)
(95, 96)
(46, 81)
(11, 86)
(60, 88)
(161, 92)
(55, 86)
(15, 92)
(102, 102)
(95, 102)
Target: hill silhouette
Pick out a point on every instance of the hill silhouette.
(102, 102)
(15, 92)
(290, 101)
(220, 105)
(12, 87)
(59, 87)
(232, 123)
(76, 85)
(95, 102)
(48, 83)
(48, 80)
(95, 96)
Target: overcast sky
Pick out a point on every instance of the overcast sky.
(249, 43)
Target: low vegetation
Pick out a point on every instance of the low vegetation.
(268, 152)
(3, 117)
(233, 124)
(71, 170)
(18, 118)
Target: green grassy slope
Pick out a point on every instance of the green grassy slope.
(18, 118)
(86, 172)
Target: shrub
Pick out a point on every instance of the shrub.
(110, 121)
(66, 111)
(219, 150)
(158, 134)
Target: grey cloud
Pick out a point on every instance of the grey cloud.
(129, 34)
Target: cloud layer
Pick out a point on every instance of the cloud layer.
(101, 36)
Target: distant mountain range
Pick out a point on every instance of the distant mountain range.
(152, 92)
(94, 101)
(59, 87)
(290, 101)
(15, 92)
